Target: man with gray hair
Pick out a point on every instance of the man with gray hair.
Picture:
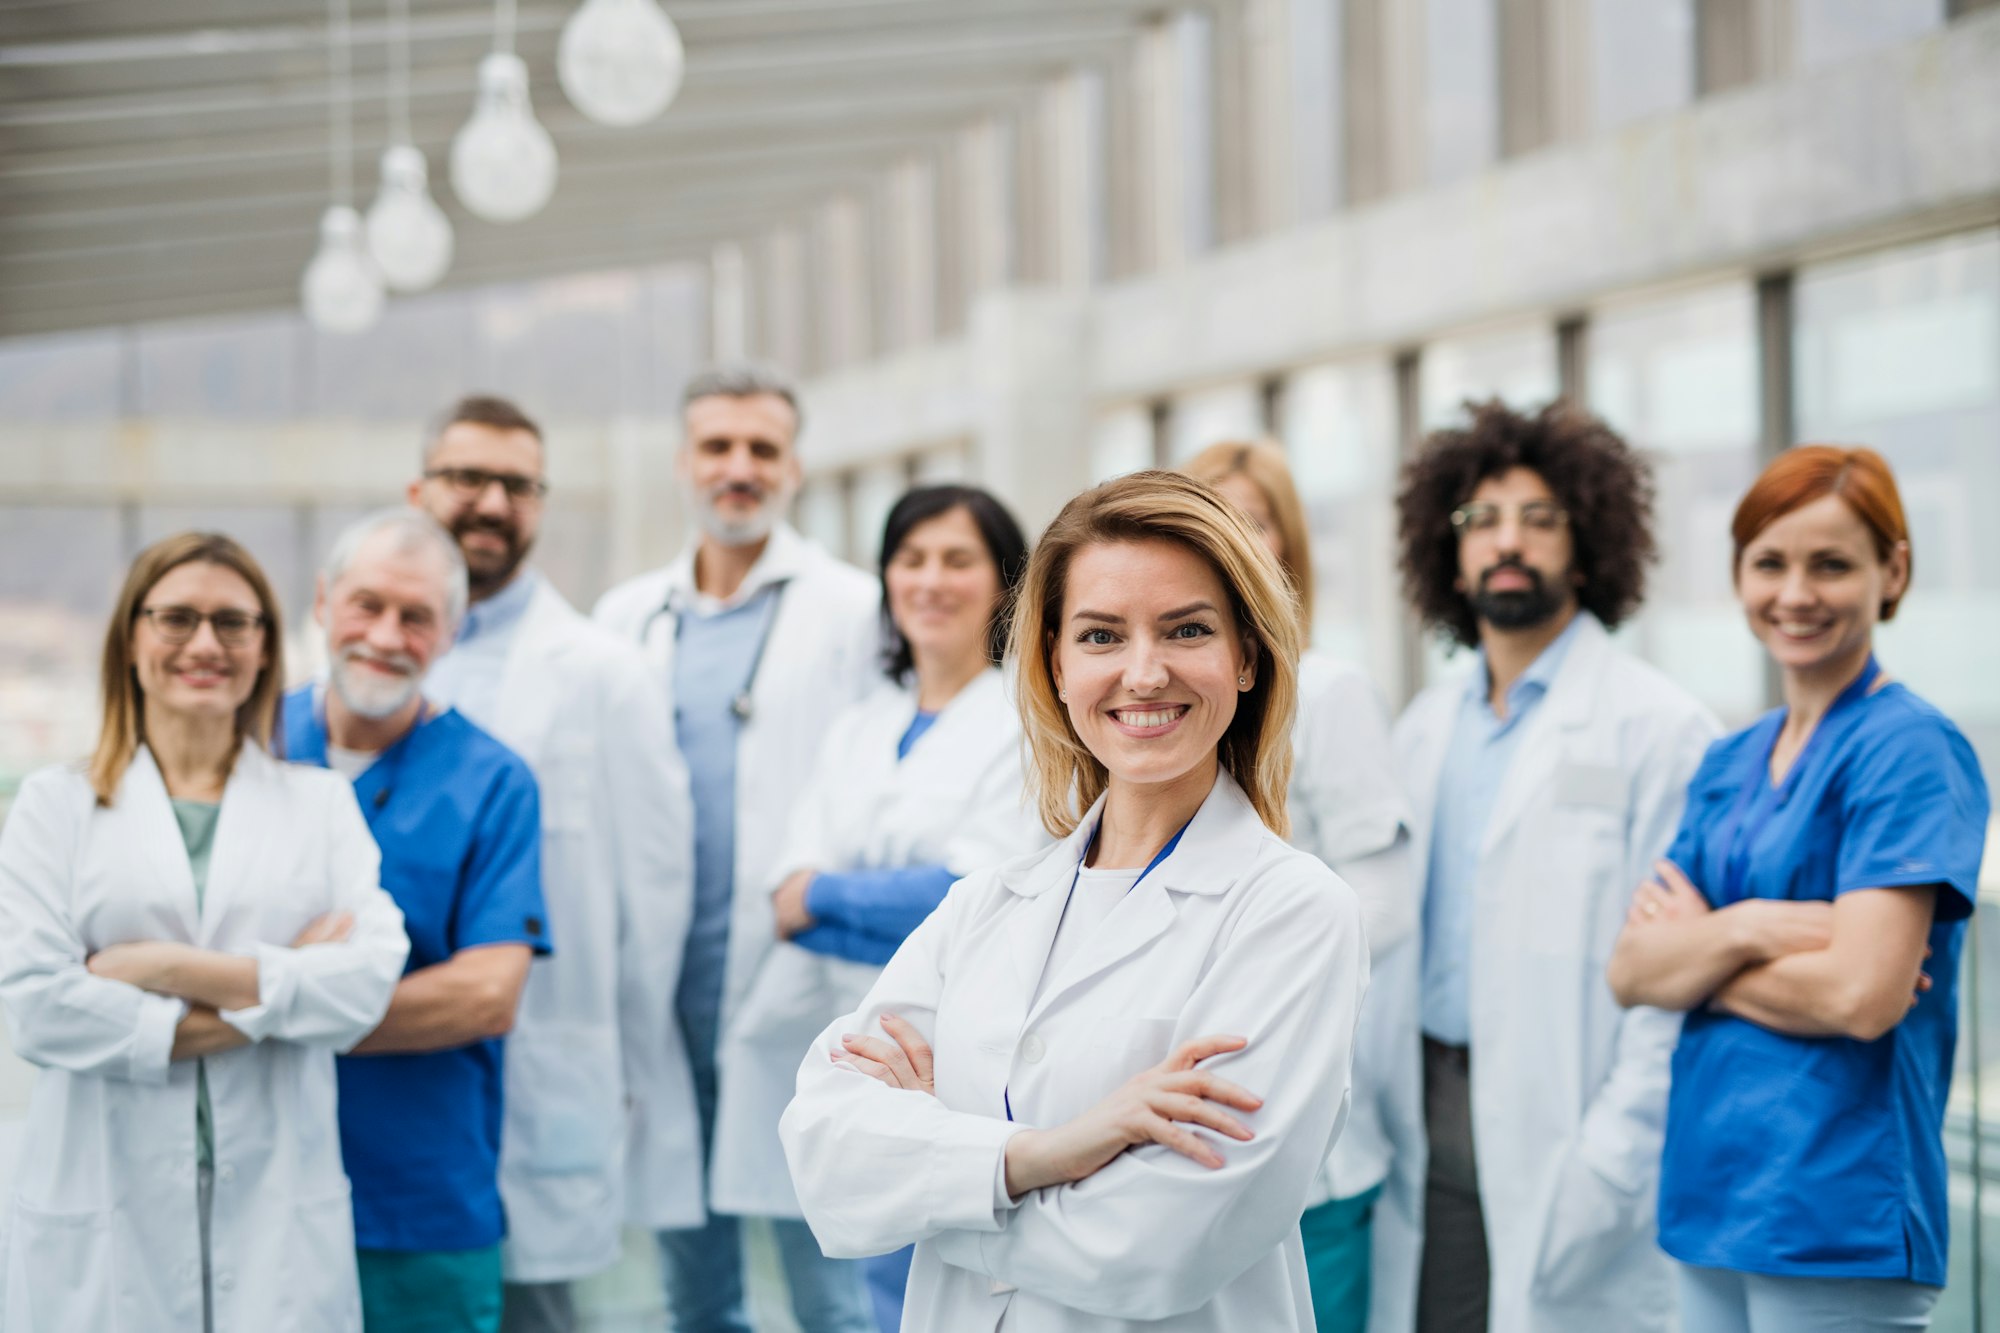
(457, 817)
(761, 638)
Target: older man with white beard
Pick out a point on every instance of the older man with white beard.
(457, 817)
(761, 638)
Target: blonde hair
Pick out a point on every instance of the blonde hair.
(1256, 750)
(1264, 464)
(124, 726)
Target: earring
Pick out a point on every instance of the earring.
(1243, 681)
(1063, 695)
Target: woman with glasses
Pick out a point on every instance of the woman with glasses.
(1348, 809)
(1809, 919)
(1094, 1086)
(189, 929)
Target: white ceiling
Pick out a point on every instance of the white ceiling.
(168, 158)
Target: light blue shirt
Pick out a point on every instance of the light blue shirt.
(468, 677)
(1482, 749)
(712, 663)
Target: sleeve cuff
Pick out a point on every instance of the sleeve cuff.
(962, 1165)
(277, 979)
(153, 1048)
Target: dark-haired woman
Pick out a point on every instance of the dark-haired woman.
(921, 782)
(1810, 917)
(189, 929)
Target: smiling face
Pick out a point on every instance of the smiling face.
(942, 584)
(202, 677)
(1516, 563)
(472, 464)
(739, 465)
(386, 620)
(1813, 586)
(1149, 658)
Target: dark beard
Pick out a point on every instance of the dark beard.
(489, 574)
(1534, 605)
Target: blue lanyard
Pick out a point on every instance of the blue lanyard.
(1006, 1099)
(1759, 801)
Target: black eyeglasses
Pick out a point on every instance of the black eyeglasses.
(178, 624)
(471, 482)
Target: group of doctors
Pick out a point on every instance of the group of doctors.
(1150, 976)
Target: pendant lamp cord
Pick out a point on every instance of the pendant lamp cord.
(503, 26)
(399, 72)
(340, 68)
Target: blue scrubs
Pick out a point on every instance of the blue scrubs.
(1822, 1157)
(457, 816)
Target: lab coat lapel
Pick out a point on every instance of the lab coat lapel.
(1043, 885)
(146, 809)
(526, 706)
(1566, 708)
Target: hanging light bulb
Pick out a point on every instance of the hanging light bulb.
(620, 61)
(342, 290)
(503, 164)
(408, 235)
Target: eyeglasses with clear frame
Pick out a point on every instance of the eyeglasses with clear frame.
(1542, 516)
(178, 624)
(469, 483)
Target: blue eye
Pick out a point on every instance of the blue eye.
(1194, 629)
(1096, 638)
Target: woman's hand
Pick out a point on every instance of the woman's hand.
(788, 905)
(1671, 896)
(1154, 1106)
(332, 928)
(905, 1064)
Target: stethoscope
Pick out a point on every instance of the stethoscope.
(1006, 1092)
(740, 706)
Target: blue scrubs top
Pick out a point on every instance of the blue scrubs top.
(458, 818)
(1824, 1156)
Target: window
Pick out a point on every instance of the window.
(1678, 378)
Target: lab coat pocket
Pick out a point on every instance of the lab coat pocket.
(1590, 1222)
(61, 1272)
(789, 1000)
(561, 1117)
(322, 1291)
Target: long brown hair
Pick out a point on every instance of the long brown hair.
(1264, 464)
(124, 727)
(1256, 750)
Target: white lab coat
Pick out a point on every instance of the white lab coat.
(1569, 1091)
(1348, 808)
(600, 1113)
(101, 1231)
(1234, 933)
(958, 800)
(822, 654)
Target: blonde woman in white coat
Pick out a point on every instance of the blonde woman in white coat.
(1095, 1085)
(1348, 809)
(920, 783)
(189, 930)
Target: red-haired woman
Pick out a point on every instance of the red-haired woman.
(1826, 853)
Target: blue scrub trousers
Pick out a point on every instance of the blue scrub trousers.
(1340, 1259)
(704, 1264)
(1720, 1300)
(888, 1276)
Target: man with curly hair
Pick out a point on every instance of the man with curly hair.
(1545, 783)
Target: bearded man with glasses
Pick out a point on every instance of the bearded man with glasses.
(1545, 782)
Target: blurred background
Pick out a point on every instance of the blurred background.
(1032, 243)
